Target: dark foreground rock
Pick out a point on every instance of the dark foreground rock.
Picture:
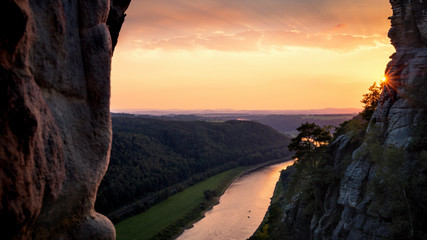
(55, 133)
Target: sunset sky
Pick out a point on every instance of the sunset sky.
(249, 54)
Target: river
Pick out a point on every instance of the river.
(241, 208)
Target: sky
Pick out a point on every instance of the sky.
(249, 54)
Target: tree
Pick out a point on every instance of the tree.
(311, 167)
(309, 139)
(370, 100)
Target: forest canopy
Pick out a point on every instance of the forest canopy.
(151, 159)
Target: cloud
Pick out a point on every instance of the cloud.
(247, 25)
(331, 41)
(259, 40)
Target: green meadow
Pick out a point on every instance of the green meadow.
(168, 218)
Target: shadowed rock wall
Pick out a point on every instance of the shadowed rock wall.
(394, 119)
(401, 110)
(55, 134)
(407, 71)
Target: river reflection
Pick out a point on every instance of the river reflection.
(241, 208)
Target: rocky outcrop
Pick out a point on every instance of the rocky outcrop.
(55, 133)
(396, 122)
(406, 72)
(395, 118)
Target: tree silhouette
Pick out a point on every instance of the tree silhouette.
(370, 100)
(309, 139)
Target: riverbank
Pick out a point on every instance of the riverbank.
(169, 218)
(242, 207)
(247, 170)
(166, 219)
(272, 218)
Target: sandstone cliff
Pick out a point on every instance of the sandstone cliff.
(379, 193)
(55, 134)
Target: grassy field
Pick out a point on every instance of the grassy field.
(178, 210)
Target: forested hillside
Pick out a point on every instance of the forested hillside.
(150, 159)
(284, 123)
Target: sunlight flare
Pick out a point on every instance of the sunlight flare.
(384, 79)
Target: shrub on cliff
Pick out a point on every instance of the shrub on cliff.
(370, 100)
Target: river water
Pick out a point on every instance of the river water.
(241, 208)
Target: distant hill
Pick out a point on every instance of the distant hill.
(284, 123)
(289, 123)
(151, 158)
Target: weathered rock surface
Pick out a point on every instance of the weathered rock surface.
(345, 214)
(55, 132)
(396, 114)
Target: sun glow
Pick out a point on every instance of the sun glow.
(384, 79)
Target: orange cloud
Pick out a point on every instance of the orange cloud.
(312, 64)
(247, 25)
(164, 21)
(258, 40)
(338, 28)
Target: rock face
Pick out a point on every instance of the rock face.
(55, 134)
(401, 109)
(397, 114)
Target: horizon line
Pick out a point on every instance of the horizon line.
(154, 111)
